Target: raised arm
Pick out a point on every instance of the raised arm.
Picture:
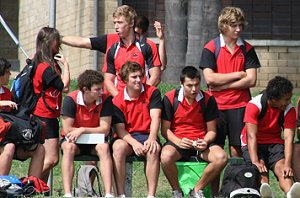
(77, 41)
(161, 48)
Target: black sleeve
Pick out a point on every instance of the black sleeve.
(110, 60)
(68, 107)
(207, 59)
(99, 43)
(107, 109)
(251, 59)
(155, 100)
(211, 110)
(167, 110)
(51, 79)
(118, 116)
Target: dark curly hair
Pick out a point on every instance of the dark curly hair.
(88, 78)
(278, 87)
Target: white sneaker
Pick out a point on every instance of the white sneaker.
(68, 195)
(177, 194)
(266, 191)
(294, 191)
(193, 194)
(109, 195)
(122, 196)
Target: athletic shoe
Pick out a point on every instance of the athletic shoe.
(294, 191)
(266, 191)
(193, 194)
(177, 194)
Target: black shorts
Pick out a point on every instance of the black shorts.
(269, 153)
(186, 154)
(230, 123)
(52, 127)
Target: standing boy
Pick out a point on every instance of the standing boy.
(261, 136)
(138, 110)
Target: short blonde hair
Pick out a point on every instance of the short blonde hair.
(126, 11)
(230, 16)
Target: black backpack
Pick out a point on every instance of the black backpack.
(23, 92)
(241, 176)
(26, 132)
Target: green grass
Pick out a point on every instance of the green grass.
(139, 182)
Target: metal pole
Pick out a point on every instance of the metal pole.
(95, 56)
(52, 24)
(12, 35)
(52, 13)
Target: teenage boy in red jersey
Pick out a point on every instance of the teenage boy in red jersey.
(138, 110)
(127, 49)
(86, 110)
(261, 140)
(9, 151)
(190, 131)
(230, 75)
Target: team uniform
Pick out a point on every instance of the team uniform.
(188, 121)
(269, 141)
(5, 94)
(48, 106)
(74, 107)
(135, 114)
(231, 102)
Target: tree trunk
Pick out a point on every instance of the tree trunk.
(176, 38)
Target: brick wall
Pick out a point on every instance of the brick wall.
(73, 17)
(277, 58)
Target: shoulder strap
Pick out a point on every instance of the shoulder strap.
(217, 43)
(264, 107)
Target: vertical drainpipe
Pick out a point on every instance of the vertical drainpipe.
(52, 24)
(95, 57)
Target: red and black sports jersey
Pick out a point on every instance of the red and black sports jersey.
(188, 120)
(269, 131)
(228, 63)
(74, 107)
(118, 54)
(135, 114)
(5, 94)
(46, 77)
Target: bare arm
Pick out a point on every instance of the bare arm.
(8, 103)
(162, 48)
(288, 151)
(211, 131)
(213, 78)
(76, 41)
(151, 143)
(109, 81)
(244, 83)
(154, 76)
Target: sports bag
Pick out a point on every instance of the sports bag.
(26, 132)
(10, 186)
(33, 185)
(240, 176)
(83, 185)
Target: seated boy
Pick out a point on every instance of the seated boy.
(261, 137)
(190, 130)
(138, 110)
(9, 151)
(86, 110)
